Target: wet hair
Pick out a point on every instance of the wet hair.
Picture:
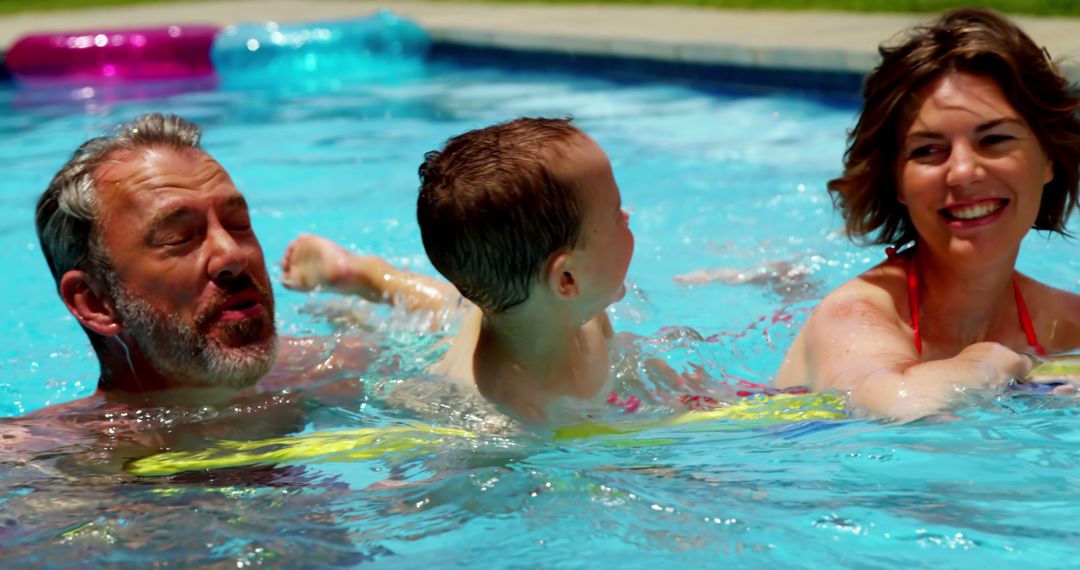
(492, 210)
(971, 40)
(67, 216)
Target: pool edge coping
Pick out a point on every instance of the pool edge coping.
(828, 42)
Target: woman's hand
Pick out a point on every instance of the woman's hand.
(999, 364)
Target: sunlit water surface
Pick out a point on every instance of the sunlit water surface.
(712, 180)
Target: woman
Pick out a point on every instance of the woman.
(968, 137)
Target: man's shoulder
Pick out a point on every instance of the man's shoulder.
(92, 403)
(54, 426)
(302, 361)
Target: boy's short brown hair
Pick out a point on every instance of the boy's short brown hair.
(970, 40)
(492, 209)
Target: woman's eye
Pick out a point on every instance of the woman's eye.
(990, 140)
(922, 151)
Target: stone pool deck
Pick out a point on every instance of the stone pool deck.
(811, 41)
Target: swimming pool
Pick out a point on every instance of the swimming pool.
(714, 179)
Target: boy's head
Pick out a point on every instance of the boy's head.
(497, 205)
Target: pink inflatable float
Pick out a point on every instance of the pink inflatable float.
(116, 56)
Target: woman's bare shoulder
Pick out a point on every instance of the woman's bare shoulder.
(859, 318)
(875, 294)
(1056, 313)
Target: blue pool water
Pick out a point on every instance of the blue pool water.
(713, 180)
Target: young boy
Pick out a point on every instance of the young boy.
(524, 218)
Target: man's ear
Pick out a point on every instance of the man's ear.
(559, 275)
(85, 298)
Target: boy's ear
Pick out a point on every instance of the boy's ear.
(85, 298)
(560, 277)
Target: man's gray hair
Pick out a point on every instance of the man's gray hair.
(67, 213)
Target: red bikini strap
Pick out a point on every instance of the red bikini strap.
(1025, 320)
(913, 293)
(912, 274)
(913, 299)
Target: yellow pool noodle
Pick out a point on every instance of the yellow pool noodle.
(417, 438)
(353, 444)
(1058, 367)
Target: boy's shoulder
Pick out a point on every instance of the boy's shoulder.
(605, 322)
(597, 334)
(457, 363)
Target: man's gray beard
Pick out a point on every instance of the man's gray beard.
(186, 358)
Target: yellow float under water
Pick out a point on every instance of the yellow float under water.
(416, 438)
(353, 444)
(755, 411)
(1061, 367)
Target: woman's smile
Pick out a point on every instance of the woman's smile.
(975, 213)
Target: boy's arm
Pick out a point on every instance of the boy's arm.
(312, 261)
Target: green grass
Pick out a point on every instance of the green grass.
(1038, 7)
(18, 6)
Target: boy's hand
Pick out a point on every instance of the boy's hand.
(662, 374)
(312, 261)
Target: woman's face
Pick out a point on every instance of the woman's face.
(971, 170)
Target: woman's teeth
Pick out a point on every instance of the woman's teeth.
(973, 211)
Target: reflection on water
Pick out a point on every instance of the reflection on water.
(975, 486)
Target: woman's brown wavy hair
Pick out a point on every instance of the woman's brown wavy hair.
(971, 40)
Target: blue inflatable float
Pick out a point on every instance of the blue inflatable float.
(378, 45)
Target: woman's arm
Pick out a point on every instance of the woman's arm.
(858, 343)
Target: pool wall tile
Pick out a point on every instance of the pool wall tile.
(696, 68)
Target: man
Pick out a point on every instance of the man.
(153, 253)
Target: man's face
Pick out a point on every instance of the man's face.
(189, 282)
